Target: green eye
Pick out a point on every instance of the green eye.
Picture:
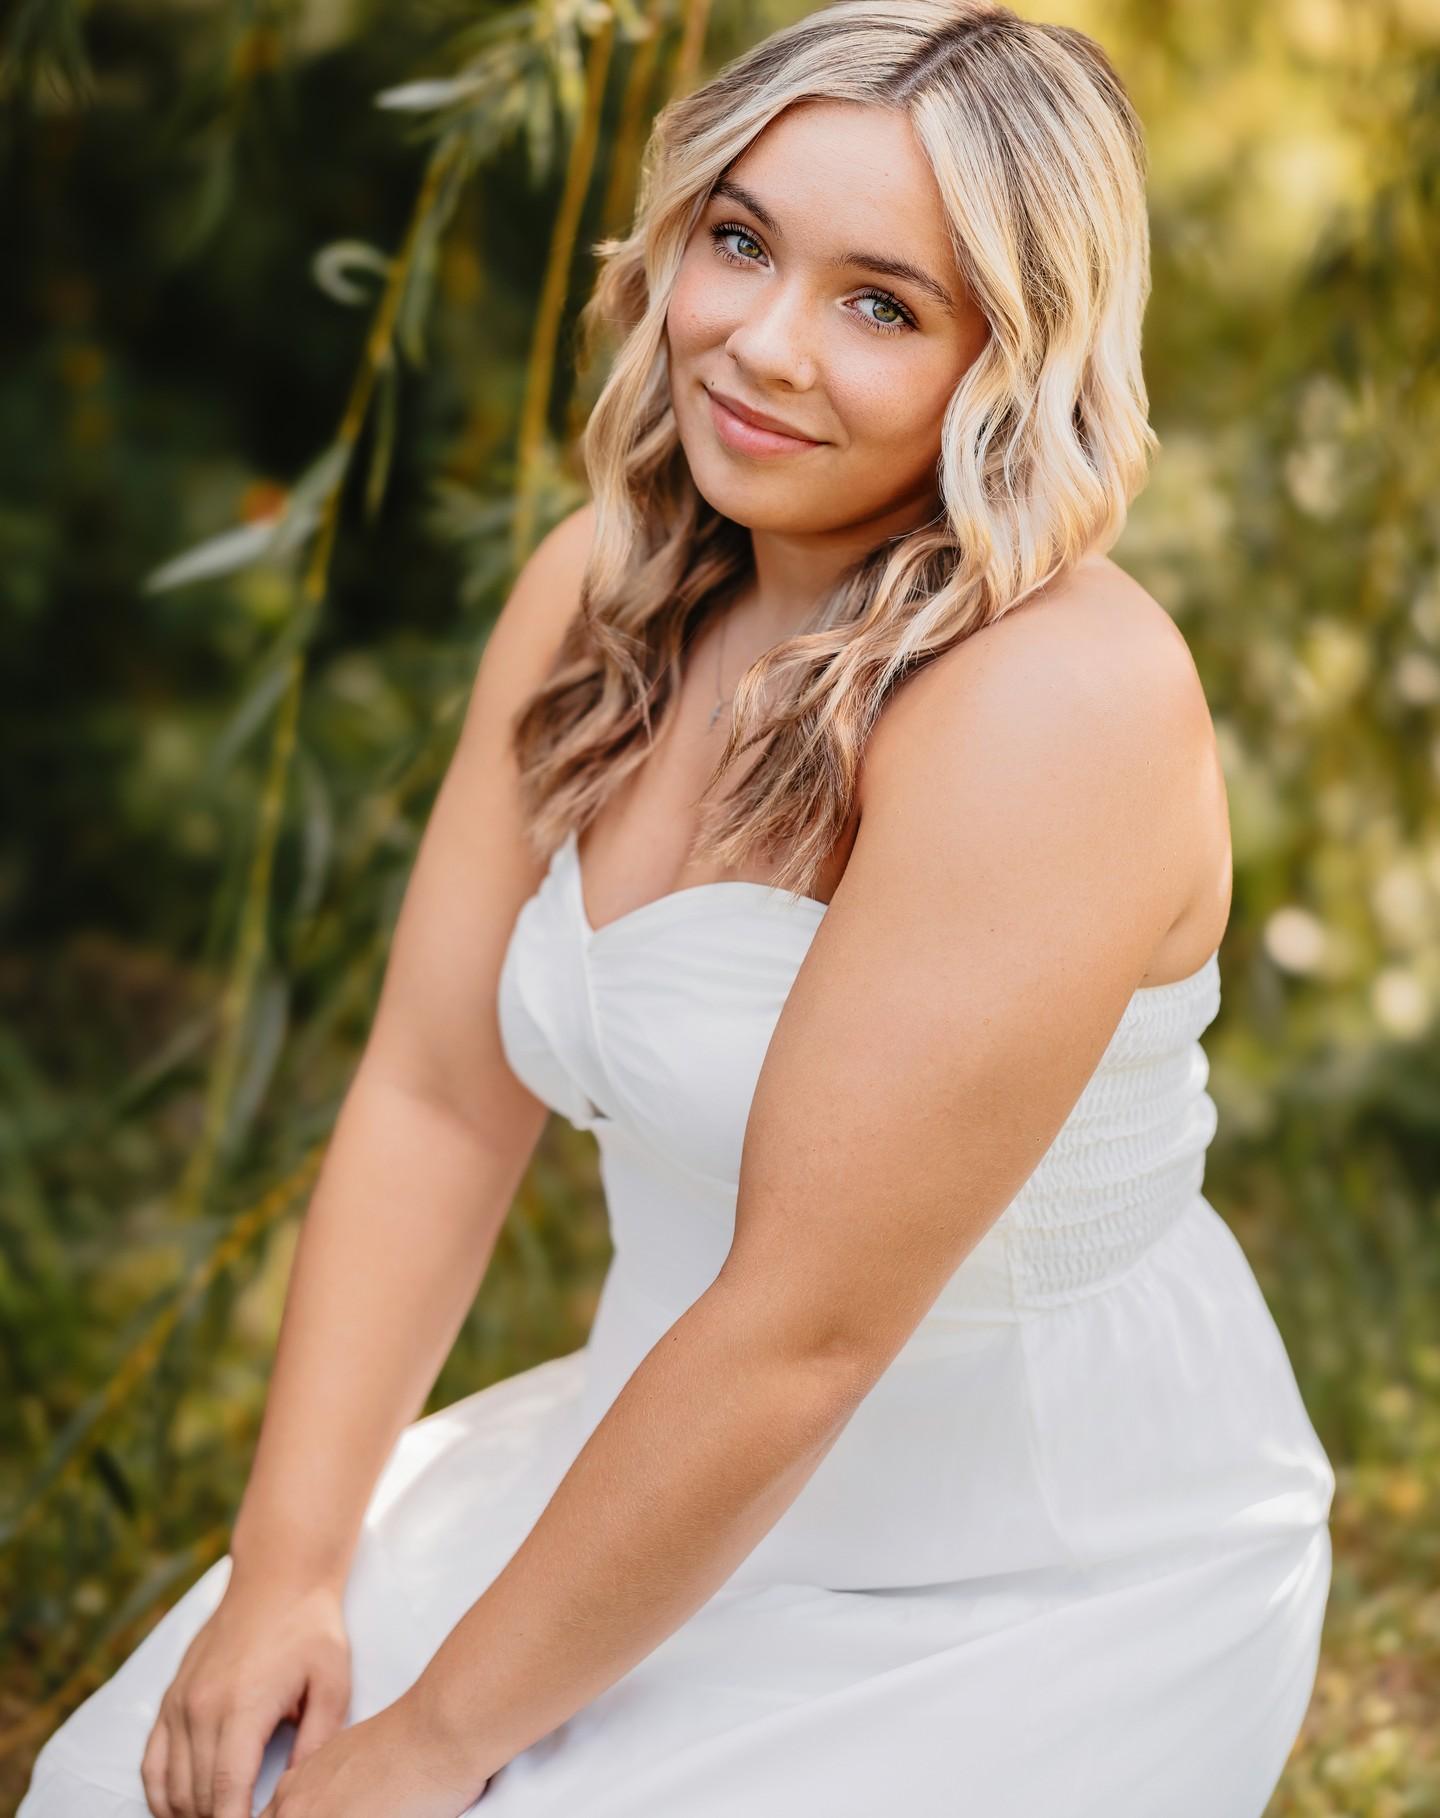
(729, 227)
(886, 302)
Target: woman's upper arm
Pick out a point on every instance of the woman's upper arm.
(1019, 858)
(436, 1031)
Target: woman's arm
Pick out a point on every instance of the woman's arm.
(431, 1142)
(1021, 853)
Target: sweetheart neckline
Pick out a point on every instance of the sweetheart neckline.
(570, 848)
(572, 843)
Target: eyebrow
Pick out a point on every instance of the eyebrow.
(866, 261)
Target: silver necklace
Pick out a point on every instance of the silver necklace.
(720, 700)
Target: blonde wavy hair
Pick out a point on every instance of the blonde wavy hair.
(1040, 160)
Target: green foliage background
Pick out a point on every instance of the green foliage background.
(213, 790)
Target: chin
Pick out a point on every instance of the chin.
(760, 507)
(759, 501)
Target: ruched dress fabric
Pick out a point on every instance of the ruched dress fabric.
(1069, 1558)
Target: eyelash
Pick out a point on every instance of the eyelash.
(718, 232)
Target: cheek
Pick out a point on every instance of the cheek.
(893, 408)
(695, 319)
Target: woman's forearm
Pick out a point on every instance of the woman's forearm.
(706, 1445)
(392, 1249)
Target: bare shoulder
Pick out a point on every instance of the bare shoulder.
(1092, 671)
(527, 635)
(1071, 737)
(543, 600)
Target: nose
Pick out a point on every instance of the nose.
(772, 339)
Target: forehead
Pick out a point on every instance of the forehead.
(833, 172)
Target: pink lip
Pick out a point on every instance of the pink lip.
(748, 433)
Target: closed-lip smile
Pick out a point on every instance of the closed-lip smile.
(759, 418)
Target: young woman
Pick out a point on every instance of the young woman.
(838, 834)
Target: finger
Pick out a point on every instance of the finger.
(153, 1769)
(239, 1749)
(202, 1729)
(180, 1768)
(326, 1703)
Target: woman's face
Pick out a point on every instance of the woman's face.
(789, 301)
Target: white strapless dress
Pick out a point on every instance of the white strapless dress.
(1068, 1559)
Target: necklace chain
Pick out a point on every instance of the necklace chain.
(720, 699)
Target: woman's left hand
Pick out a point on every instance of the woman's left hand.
(391, 1765)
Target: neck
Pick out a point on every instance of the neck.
(794, 570)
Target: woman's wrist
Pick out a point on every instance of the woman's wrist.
(274, 1554)
(448, 1735)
